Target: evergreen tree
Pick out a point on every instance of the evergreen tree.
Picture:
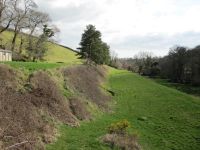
(92, 48)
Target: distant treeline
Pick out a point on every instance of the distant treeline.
(181, 65)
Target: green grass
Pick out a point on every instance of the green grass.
(58, 53)
(173, 118)
(55, 53)
(33, 66)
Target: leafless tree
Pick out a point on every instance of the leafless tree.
(7, 14)
(21, 19)
(40, 44)
(114, 59)
(36, 20)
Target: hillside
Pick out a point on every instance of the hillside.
(56, 53)
(163, 118)
(55, 98)
(34, 104)
(168, 119)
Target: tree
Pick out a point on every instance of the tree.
(21, 19)
(181, 65)
(39, 45)
(114, 59)
(36, 20)
(177, 56)
(92, 47)
(144, 62)
(7, 14)
(193, 66)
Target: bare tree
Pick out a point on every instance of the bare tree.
(36, 20)
(114, 59)
(39, 45)
(7, 14)
(143, 61)
(21, 18)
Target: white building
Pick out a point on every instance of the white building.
(5, 55)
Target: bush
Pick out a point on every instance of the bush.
(119, 127)
(119, 138)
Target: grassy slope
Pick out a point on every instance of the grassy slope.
(173, 118)
(32, 66)
(55, 53)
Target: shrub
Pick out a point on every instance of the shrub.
(119, 127)
(119, 138)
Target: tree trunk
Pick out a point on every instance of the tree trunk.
(21, 45)
(34, 58)
(14, 39)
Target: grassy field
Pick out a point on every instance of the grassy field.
(172, 117)
(56, 53)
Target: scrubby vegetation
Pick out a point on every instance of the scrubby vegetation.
(33, 104)
(119, 127)
(118, 136)
(26, 105)
(85, 80)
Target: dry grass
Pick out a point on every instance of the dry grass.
(20, 112)
(79, 109)
(86, 80)
(50, 98)
(124, 142)
(30, 106)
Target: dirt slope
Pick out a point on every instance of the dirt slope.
(31, 106)
(86, 81)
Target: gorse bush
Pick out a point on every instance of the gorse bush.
(119, 137)
(119, 127)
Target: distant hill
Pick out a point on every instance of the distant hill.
(56, 52)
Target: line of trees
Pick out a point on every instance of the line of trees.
(92, 48)
(181, 65)
(31, 26)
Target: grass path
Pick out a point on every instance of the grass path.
(173, 118)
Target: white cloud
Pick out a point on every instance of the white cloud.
(120, 20)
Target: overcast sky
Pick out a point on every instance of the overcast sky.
(128, 26)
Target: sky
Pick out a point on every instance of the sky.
(128, 26)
